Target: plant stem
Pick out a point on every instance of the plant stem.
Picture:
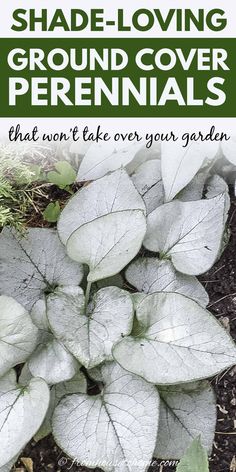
(87, 293)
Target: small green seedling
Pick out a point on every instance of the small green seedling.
(52, 212)
(63, 176)
(195, 459)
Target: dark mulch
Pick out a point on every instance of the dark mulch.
(220, 283)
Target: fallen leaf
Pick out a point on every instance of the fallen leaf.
(222, 409)
(232, 372)
(28, 463)
(233, 465)
(225, 322)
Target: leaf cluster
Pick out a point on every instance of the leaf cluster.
(81, 303)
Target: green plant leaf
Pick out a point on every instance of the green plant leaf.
(34, 263)
(195, 459)
(18, 335)
(185, 411)
(36, 172)
(22, 411)
(150, 275)
(89, 334)
(63, 176)
(190, 233)
(175, 341)
(52, 212)
(114, 430)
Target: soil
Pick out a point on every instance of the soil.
(220, 283)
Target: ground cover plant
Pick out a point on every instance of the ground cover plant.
(68, 319)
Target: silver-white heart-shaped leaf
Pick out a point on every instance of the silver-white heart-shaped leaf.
(115, 430)
(76, 385)
(33, 263)
(150, 275)
(38, 312)
(115, 192)
(148, 181)
(180, 165)
(53, 363)
(190, 233)
(46, 427)
(107, 244)
(229, 149)
(89, 334)
(8, 467)
(22, 411)
(186, 411)
(107, 157)
(217, 186)
(194, 190)
(18, 335)
(143, 155)
(25, 375)
(175, 341)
